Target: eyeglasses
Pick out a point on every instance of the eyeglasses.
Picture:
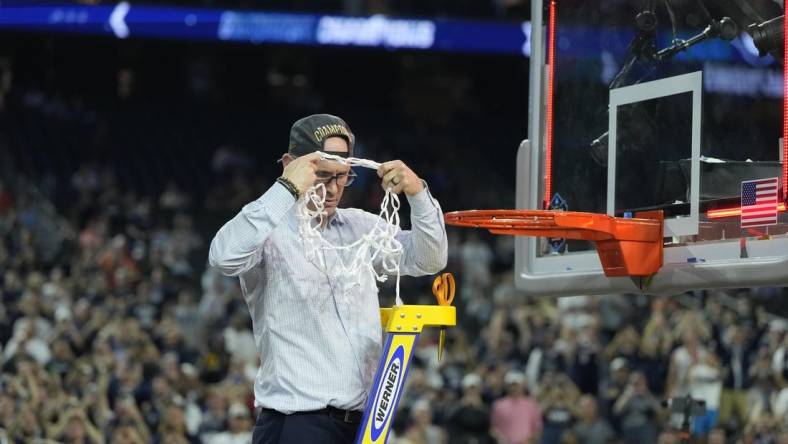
(343, 179)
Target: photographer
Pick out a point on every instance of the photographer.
(637, 408)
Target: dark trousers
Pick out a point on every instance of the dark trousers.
(273, 427)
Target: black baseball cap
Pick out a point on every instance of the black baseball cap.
(309, 134)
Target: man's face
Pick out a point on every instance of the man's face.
(639, 383)
(239, 423)
(515, 389)
(717, 436)
(333, 189)
(587, 408)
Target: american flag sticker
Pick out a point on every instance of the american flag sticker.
(759, 202)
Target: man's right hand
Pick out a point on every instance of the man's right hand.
(301, 171)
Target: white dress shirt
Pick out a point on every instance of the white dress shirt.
(319, 338)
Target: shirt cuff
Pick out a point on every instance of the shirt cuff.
(421, 203)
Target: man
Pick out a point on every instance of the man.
(636, 411)
(319, 338)
(683, 358)
(516, 418)
(591, 428)
(614, 385)
(705, 384)
(238, 423)
(736, 356)
(469, 421)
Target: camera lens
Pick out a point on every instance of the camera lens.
(768, 36)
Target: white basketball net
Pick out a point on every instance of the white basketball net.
(358, 257)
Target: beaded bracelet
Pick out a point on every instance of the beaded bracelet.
(290, 186)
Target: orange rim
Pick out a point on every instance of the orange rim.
(626, 246)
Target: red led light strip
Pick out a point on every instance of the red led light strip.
(548, 187)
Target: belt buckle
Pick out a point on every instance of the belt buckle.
(347, 416)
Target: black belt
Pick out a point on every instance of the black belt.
(348, 416)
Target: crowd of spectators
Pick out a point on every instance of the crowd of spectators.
(119, 339)
(597, 370)
(124, 337)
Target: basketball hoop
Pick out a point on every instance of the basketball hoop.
(626, 246)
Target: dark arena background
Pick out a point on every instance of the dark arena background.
(127, 140)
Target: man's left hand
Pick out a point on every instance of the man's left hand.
(400, 178)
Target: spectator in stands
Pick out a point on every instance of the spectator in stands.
(590, 427)
(26, 426)
(421, 429)
(27, 341)
(760, 373)
(636, 411)
(614, 385)
(229, 157)
(238, 430)
(126, 434)
(239, 339)
(75, 428)
(215, 415)
(493, 375)
(580, 358)
(516, 418)
(86, 180)
(736, 355)
(780, 357)
(691, 352)
(717, 436)
(558, 402)
(705, 384)
(477, 259)
(172, 427)
(625, 344)
(469, 421)
(653, 358)
(668, 437)
(173, 198)
(762, 428)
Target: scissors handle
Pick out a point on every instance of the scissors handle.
(443, 288)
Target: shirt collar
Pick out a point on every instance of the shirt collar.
(337, 219)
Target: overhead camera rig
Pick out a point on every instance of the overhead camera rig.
(767, 36)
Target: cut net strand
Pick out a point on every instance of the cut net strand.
(353, 259)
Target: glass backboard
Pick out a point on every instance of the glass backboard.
(679, 110)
